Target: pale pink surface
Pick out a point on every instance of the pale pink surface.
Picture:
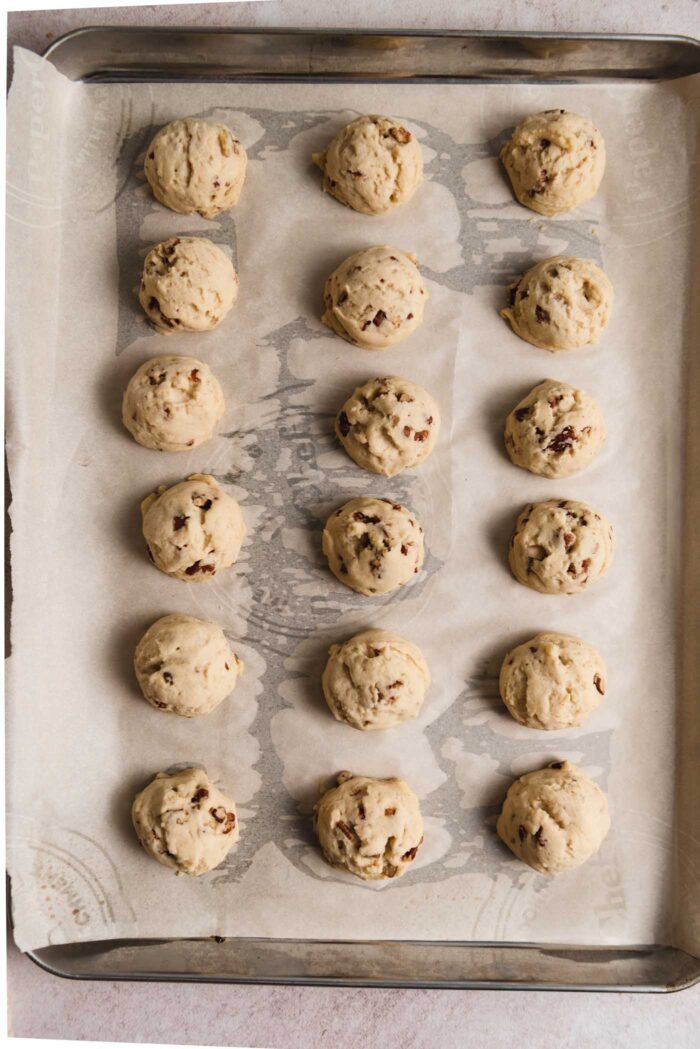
(42, 1006)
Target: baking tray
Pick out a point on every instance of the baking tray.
(111, 55)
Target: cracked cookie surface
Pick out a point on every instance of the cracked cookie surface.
(375, 680)
(375, 298)
(555, 431)
(372, 165)
(553, 681)
(193, 529)
(187, 284)
(554, 819)
(561, 303)
(172, 404)
(388, 425)
(185, 665)
(196, 166)
(185, 822)
(555, 161)
(373, 546)
(560, 546)
(372, 828)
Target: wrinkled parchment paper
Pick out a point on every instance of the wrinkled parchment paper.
(82, 741)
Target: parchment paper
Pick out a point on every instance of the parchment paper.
(82, 741)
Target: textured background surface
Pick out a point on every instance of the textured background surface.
(287, 1018)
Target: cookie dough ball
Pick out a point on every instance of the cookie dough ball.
(560, 547)
(370, 827)
(388, 425)
(193, 529)
(188, 284)
(375, 680)
(185, 666)
(555, 161)
(375, 298)
(373, 545)
(372, 165)
(554, 819)
(196, 166)
(172, 404)
(553, 681)
(561, 303)
(555, 431)
(185, 822)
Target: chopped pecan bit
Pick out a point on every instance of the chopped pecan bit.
(378, 318)
(569, 540)
(343, 424)
(167, 677)
(404, 549)
(199, 795)
(586, 564)
(407, 431)
(429, 420)
(202, 501)
(216, 183)
(230, 822)
(395, 684)
(393, 258)
(571, 570)
(409, 316)
(411, 854)
(544, 143)
(522, 832)
(194, 375)
(179, 522)
(359, 516)
(598, 682)
(156, 380)
(366, 325)
(390, 812)
(542, 316)
(365, 541)
(522, 413)
(421, 435)
(342, 297)
(538, 837)
(533, 649)
(197, 567)
(344, 829)
(540, 433)
(400, 134)
(562, 504)
(376, 565)
(219, 814)
(562, 441)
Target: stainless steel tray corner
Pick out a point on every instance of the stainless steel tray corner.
(139, 54)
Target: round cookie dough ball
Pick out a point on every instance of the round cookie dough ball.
(188, 284)
(196, 166)
(172, 404)
(388, 425)
(370, 827)
(373, 545)
(561, 303)
(185, 822)
(375, 680)
(372, 165)
(185, 666)
(560, 547)
(555, 431)
(555, 161)
(553, 681)
(554, 819)
(193, 529)
(375, 298)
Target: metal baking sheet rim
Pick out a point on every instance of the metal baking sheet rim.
(669, 969)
